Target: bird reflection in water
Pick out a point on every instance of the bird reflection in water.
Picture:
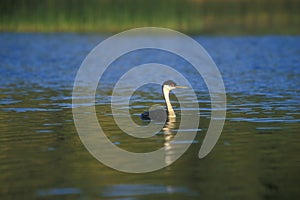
(169, 148)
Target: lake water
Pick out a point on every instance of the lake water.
(256, 157)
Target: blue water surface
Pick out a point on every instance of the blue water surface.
(257, 156)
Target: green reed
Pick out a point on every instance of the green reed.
(190, 16)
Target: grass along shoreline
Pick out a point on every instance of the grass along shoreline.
(189, 16)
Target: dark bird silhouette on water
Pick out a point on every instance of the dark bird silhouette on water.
(161, 114)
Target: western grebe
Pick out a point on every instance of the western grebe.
(160, 114)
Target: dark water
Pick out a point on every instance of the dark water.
(256, 157)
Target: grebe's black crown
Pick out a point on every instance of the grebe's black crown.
(170, 83)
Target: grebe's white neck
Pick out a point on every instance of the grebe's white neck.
(166, 92)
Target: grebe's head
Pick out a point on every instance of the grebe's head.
(171, 85)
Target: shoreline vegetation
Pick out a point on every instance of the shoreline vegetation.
(223, 17)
